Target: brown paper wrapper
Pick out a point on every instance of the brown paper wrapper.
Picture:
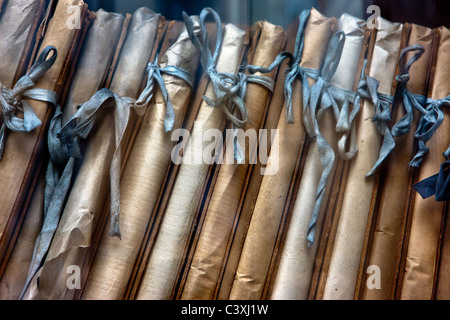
(267, 212)
(394, 189)
(220, 214)
(96, 53)
(237, 236)
(345, 256)
(169, 248)
(91, 187)
(142, 179)
(428, 215)
(295, 267)
(15, 275)
(22, 152)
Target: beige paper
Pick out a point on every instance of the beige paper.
(297, 259)
(394, 191)
(23, 150)
(15, 275)
(143, 178)
(221, 213)
(93, 64)
(428, 214)
(91, 187)
(260, 240)
(346, 254)
(167, 252)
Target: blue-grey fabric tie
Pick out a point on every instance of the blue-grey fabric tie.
(323, 96)
(229, 88)
(81, 124)
(11, 100)
(154, 74)
(429, 122)
(410, 102)
(294, 69)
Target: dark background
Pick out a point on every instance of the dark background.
(430, 13)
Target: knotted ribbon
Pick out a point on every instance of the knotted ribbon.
(429, 122)
(266, 82)
(229, 88)
(438, 184)
(410, 102)
(226, 85)
(11, 100)
(154, 74)
(323, 96)
(294, 69)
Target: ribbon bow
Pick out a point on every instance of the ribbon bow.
(11, 100)
(154, 74)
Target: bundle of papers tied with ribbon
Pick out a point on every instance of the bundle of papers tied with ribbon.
(145, 158)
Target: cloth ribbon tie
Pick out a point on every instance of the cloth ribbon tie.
(11, 100)
(154, 74)
(410, 102)
(429, 122)
(80, 125)
(294, 69)
(226, 85)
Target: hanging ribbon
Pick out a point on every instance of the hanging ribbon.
(11, 100)
(80, 125)
(322, 92)
(57, 183)
(438, 184)
(154, 74)
(410, 102)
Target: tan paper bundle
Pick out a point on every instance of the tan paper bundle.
(223, 206)
(394, 190)
(257, 251)
(98, 49)
(22, 152)
(167, 253)
(342, 274)
(237, 235)
(143, 177)
(428, 215)
(294, 273)
(91, 187)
